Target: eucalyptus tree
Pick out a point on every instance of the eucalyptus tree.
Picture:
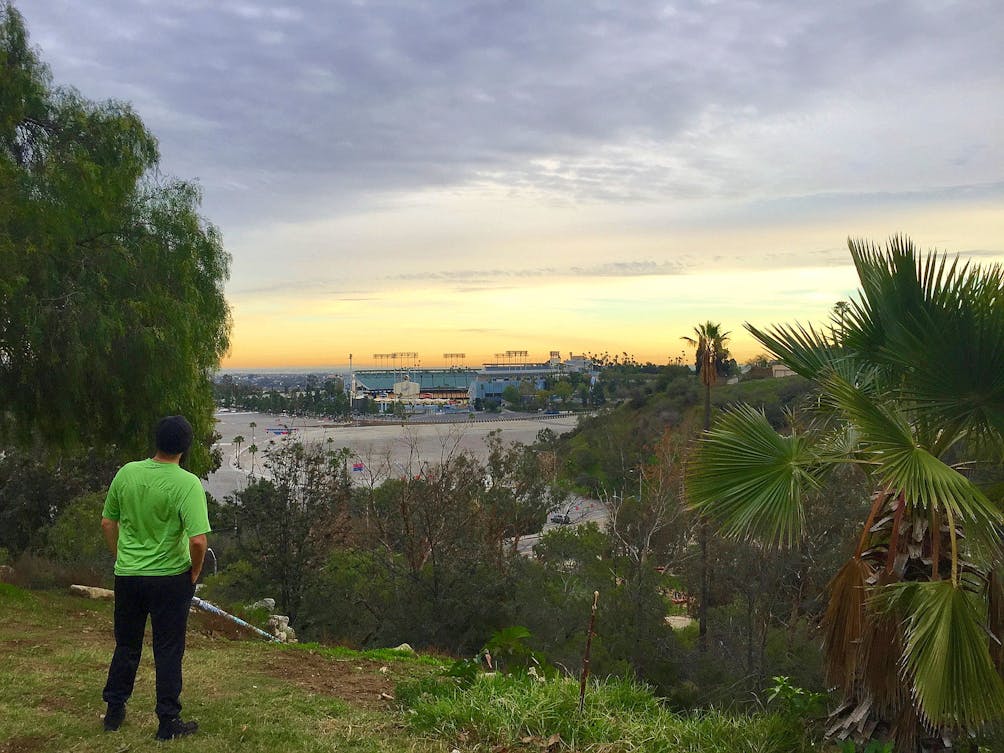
(911, 379)
(111, 304)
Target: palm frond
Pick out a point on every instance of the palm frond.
(906, 467)
(751, 479)
(995, 618)
(937, 327)
(806, 351)
(946, 658)
(881, 649)
(843, 623)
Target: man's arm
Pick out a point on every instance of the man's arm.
(197, 546)
(110, 528)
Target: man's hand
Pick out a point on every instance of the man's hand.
(110, 528)
(197, 546)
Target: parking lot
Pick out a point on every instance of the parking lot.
(391, 448)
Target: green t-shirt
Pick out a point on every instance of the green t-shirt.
(158, 506)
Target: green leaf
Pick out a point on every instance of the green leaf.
(806, 351)
(946, 655)
(886, 440)
(753, 480)
(937, 329)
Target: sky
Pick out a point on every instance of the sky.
(441, 176)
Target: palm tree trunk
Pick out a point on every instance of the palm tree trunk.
(702, 612)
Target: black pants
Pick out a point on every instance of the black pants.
(166, 598)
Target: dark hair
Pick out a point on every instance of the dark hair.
(174, 435)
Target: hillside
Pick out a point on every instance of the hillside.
(247, 696)
(255, 697)
(600, 452)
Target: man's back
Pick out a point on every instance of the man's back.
(158, 506)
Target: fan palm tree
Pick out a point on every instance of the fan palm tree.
(709, 343)
(238, 441)
(253, 449)
(911, 380)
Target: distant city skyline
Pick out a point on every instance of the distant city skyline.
(578, 176)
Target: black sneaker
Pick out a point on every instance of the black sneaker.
(172, 728)
(114, 717)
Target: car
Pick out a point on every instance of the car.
(552, 412)
(561, 518)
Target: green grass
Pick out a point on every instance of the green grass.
(256, 697)
(54, 653)
(376, 654)
(619, 717)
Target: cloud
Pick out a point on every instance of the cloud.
(314, 288)
(575, 101)
(610, 269)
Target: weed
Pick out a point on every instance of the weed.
(794, 701)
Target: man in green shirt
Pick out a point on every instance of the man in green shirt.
(155, 522)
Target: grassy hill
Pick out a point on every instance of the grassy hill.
(247, 696)
(255, 697)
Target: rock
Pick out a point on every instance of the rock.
(404, 648)
(679, 621)
(91, 592)
(278, 624)
(6, 574)
(267, 604)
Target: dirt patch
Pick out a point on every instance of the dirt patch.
(57, 703)
(23, 646)
(360, 682)
(214, 626)
(23, 744)
(10, 646)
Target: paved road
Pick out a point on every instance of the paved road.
(580, 510)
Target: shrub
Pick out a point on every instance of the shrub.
(238, 584)
(75, 538)
(36, 571)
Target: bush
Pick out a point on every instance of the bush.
(75, 537)
(36, 571)
(238, 584)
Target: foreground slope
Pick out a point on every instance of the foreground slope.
(246, 696)
(255, 697)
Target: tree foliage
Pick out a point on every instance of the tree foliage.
(35, 489)
(289, 520)
(111, 305)
(911, 375)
